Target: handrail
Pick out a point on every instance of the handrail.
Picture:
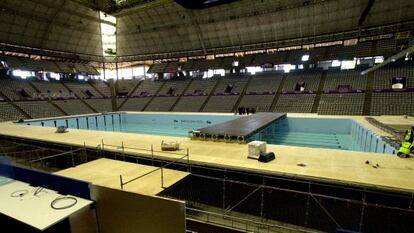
(22, 152)
(141, 148)
(122, 183)
(57, 155)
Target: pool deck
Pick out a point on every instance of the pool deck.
(243, 126)
(345, 167)
(106, 172)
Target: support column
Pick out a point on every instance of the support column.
(104, 70)
(116, 66)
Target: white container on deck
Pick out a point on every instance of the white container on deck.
(255, 148)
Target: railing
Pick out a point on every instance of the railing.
(237, 222)
(183, 157)
(71, 152)
(58, 155)
(150, 172)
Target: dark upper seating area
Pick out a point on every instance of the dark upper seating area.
(380, 47)
(24, 63)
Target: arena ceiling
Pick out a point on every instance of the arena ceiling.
(168, 27)
(164, 26)
(61, 25)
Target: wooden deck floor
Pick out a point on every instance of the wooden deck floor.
(321, 164)
(105, 172)
(243, 126)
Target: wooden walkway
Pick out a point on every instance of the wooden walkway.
(243, 126)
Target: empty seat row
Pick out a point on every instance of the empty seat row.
(73, 107)
(83, 90)
(342, 104)
(162, 104)
(352, 78)
(40, 109)
(147, 88)
(190, 103)
(261, 103)
(26, 63)
(9, 113)
(309, 79)
(221, 103)
(392, 103)
(264, 84)
(295, 103)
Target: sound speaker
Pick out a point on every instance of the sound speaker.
(266, 157)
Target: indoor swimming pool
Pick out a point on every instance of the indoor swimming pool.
(341, 134)
(177, 125)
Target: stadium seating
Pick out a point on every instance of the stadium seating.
(73, 107)
(310, 79)
(342, 104)
(83, 90)
(205, 65)
(343, 92)
(264, 83)
(386, 47)
(14, 63)
(230, 86)
(392, 103)
(40, 109)
(124, 87)
(340, 52)
(100, 105)
(272, 58)
(102, 87)
(173, 88)
(221, 103)
(261, 103)
(382, 77)
(345, 77)
(190, 104)
(157, 68)
(315, 54)
(52, 89)
(147, 88)
(8, 112)
(135, 104)
(25, 63)
(295, 103)
(163, 104)
(17, 89)
(201, 87)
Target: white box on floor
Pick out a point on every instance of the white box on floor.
(255, 148)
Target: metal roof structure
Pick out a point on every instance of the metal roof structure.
(162, 28)
(61, 25)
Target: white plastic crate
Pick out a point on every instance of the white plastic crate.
(255, 148)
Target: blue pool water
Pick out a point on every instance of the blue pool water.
(160, 124)
(342, 134)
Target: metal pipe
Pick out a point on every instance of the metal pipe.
(161, 174)
(53, 156)
(123, 150)
(121, 182)
(389, 60)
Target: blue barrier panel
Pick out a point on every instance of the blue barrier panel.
(6, 169)
(61, 184)
(341, 230)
